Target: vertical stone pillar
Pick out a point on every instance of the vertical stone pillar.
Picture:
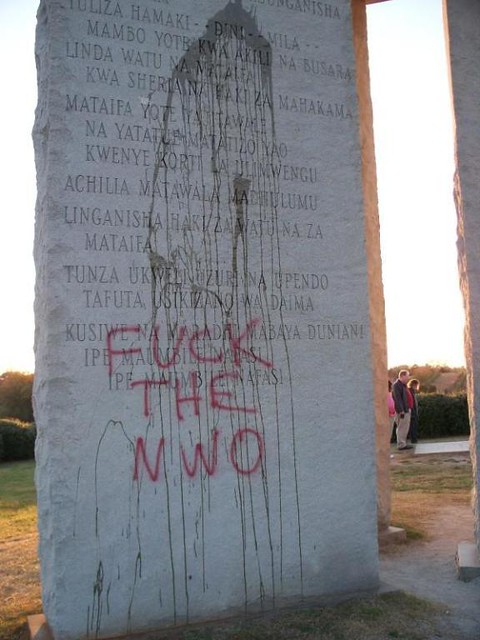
(374, 265)
(462, 21)
(204, 390)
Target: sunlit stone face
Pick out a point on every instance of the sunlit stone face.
(203, 392)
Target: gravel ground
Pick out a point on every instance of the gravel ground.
(428, 570)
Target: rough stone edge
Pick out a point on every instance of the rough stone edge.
(374, 266)
(51, 390)
(462, 55)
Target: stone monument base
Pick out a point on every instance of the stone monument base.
(467, 561)
(38, 628)
(391, 535)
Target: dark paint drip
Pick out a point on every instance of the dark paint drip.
(97, 603)
(74, 531)
(95, 612)
(253, 108)
(137, 574)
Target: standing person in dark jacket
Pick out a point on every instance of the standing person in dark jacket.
(414, 387)
(400, 398)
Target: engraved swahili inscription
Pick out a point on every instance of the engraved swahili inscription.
(202, 298)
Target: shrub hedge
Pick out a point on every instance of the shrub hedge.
(442, 416)
(17, 440)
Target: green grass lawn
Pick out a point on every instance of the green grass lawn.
(18, 511)
(432, 477)
(19, 572)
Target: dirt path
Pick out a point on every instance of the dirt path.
(427, 569)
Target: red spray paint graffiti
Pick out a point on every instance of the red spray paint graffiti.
(244, 463)
(237, 348)
(216, 397)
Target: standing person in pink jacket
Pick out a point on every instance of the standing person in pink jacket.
(391, 408)
(414, 387)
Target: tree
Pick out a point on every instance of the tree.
(16, 395)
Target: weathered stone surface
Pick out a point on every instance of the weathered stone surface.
(463, 25)
(374, 268)
(467, 561)
(204, 389)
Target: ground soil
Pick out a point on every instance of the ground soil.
(427, 568)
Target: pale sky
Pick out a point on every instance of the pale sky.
(415, 166)
(414, 148)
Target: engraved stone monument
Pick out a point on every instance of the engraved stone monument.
(204, 389)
